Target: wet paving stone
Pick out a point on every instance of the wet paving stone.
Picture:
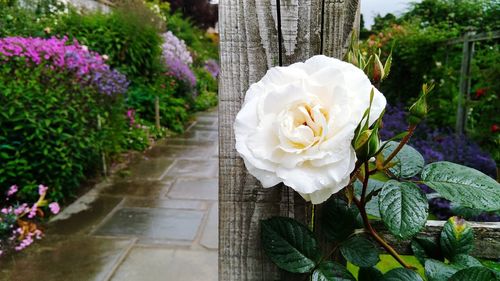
(199, 189)
(189, 142)
(172, 151)
(164, 203)
(66, 259)
(194, 168)
(151, 189)
(163, 224)
(150, 168)
(148, 264)
(84, 218)
(210, 237)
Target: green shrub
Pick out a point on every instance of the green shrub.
(205, 100)
(202, 46)
(129, 36)
(49, 133)
(173, 111)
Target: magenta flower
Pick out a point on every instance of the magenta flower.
(54, 208)
(12, 190)
(42, 189)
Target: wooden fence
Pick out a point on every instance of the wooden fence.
(254, 36)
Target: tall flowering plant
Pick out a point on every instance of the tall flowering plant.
(315, 127)
(19, 222)
(177, 59)
(89, 67)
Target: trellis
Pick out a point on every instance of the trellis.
(254, 36)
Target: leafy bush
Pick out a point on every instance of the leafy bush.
(128, 36)
(173, 112)
(52, 99)
(205, 100)
(202, 46)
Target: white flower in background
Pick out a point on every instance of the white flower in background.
(297, 123)
(85, 48)
(105, 57)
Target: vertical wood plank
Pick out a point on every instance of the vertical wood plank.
(248, 47)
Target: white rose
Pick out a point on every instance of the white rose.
(297, 123)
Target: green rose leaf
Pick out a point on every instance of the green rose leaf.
(289, 244)
(477, 273)
(403, 208)
(456, 238)
(463, 185)
(339, 220)
(438, 271)
(464, 261)
(402, 274)
(369, 274)
(332, 271)
(407, 163)
(360, 251)
(374, 186)
(424, 248)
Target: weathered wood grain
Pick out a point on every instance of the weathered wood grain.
(248, 47)
(486, 234)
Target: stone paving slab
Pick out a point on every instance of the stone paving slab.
(135, 187)
(152, 264)
(148, 168)
(165, 203)
(199, 189)
(85, 219)
(152, 223)
(67, 259)
(193, 168)
(176, 151)
(210, 236)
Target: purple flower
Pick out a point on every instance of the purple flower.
(177, 59)
(212, 67)
(12, 190)
(88, 67)
(42, 189)
(54, 208)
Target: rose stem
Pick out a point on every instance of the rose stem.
(405, 140)
(368, 226)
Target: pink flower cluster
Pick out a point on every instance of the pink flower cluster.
(89, 67)
(18, 228)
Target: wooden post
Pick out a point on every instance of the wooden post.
(157, 113)
(463, 96)
(249, 46)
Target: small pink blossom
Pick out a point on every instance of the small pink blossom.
(12, 190)
(32, 212)
(42, 189)
(54, 208)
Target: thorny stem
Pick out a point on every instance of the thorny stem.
(370, 229)
(404, 141)
(365, 185)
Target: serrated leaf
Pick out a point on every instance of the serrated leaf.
(360, 251)
(463, 261)
(402, 274)
(438, 271)
(464, 185)
(372, 205)
(289, 244)
(477, 273)
(369, 274)
(339, 220)
(407, 163)
(424, 248)
(403, 208)
(457, 237)
(332, 271)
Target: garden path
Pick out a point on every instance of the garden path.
(158, 220)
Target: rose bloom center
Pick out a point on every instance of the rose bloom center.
(302, 125)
